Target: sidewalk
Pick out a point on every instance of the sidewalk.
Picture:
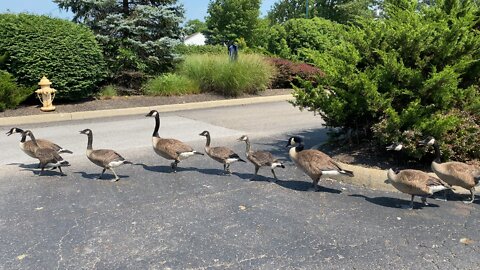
(122, 106)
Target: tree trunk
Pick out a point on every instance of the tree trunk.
(125, 7)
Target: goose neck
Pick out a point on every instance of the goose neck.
(33, 139)
(157, 126)
(437, 153)
(299, 147)
(24, 137)
(391, 175)
(207, 144)
(90, 141)
(247, 146)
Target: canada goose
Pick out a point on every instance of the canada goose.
(313, 162)
(47, 156)
(105, 158)
(415, 183)
(454, 173)
(221, 154)
(171, 149)
(260, 158)
(28, 147)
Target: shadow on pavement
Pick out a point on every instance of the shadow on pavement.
(25, 166)
(393, 202)
(106, 176)
(305, 186)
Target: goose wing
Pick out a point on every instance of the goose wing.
(462, 171)
(262, 157)
(105, 156)
(172, 147)
(48, 144)
(47, 155)
(314, 161)
(221, 152)
(417, 182)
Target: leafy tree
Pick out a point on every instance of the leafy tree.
(137, 35)
(229, 20)
(194, 26)
(413, 73)
(341, 11)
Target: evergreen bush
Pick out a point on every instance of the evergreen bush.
(65, 52)
(414, 72)
(289, 73)
(10, 93)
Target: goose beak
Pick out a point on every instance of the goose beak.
(9, 133)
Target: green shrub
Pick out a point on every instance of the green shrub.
(249, 74)
(108, 92)
(414, 72)
(170, 85)
(10, 93)
(65, 52)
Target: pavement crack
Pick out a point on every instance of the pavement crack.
(60, 243)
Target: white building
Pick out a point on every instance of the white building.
(195, 39)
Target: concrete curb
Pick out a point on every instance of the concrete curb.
(56, 117)
(374, 178)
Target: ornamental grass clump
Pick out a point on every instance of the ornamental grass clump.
(250, 74)
(170, 85)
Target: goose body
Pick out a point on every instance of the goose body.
(314, 163)
(415, 183)
(170, 149)
(221, 154)
(261, 158)
(48, 157)
(28, 147)
(105, 158)
(453, 172)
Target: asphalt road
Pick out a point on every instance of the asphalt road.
(200, 219)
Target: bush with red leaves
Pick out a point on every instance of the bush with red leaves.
(288, 71)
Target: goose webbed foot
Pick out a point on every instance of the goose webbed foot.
(174, 166)
(101, 174)
(424, 201)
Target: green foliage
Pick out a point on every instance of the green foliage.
(414, 72)
(137, 35)
(341, 11)
(108, 92)
(170, 85)
(10, 93)
(194, 26)
(229, 20)
(249, 74)
(317, 34)
(200, 49)
(65, 52)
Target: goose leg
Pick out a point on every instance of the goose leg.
(227, 169)
(116, 176)
(274, 176)
(424, 201)
(101, 174)
(256, 172)
(315, 184)
(411, 203)
(174, 166)
(472, 193)
(60, 169)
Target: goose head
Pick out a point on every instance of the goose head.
(429, 141)
(152, 113)
(14, 130)
(394, 147)
(294, 141)
(205, 133)
(243, 138)
(86, 131)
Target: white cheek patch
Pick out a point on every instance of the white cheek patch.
(431, 142)
(398, 147)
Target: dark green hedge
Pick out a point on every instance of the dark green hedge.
(66, 53)
(10, 93)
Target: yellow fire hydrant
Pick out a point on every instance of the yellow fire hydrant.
(46, 95)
